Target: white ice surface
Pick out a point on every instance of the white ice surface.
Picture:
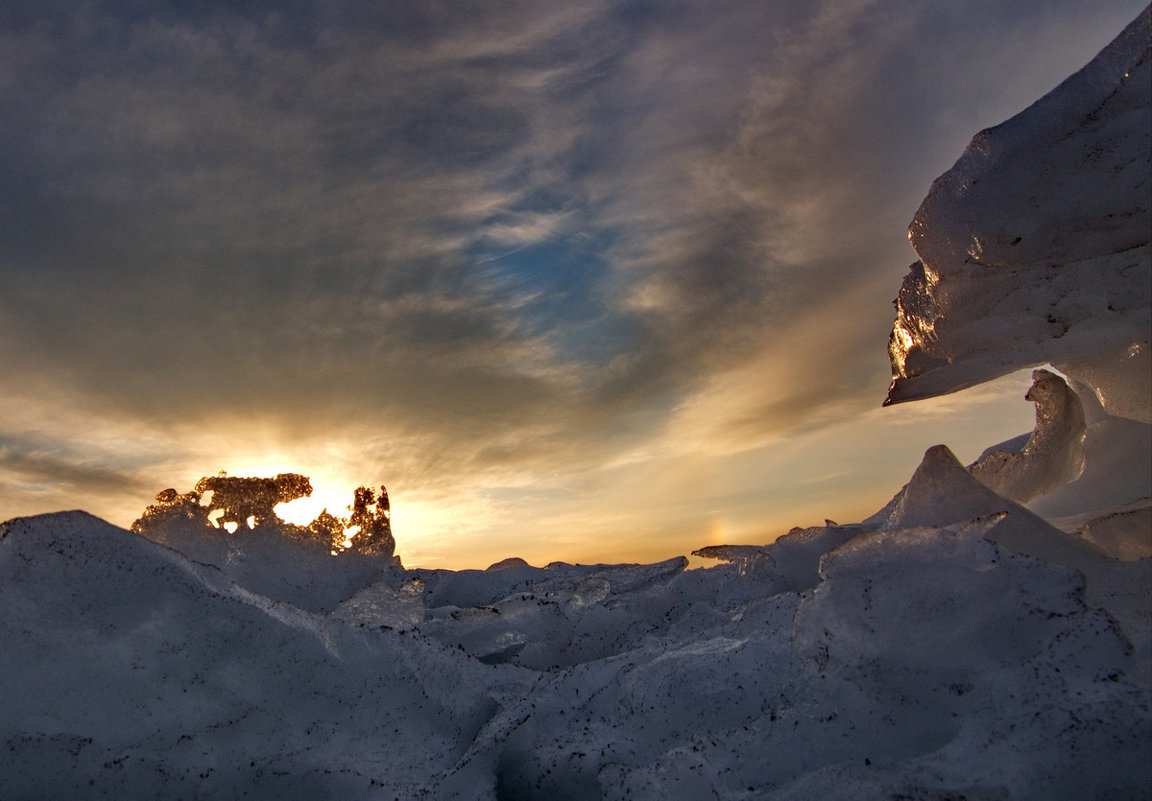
(914, 659)
(1034, 248)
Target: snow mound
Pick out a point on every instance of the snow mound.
(942, 493)
(925, 660)
(267, 560)
(133, 672)
(969, 646)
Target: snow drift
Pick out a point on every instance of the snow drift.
(985, 635)
(924, 658)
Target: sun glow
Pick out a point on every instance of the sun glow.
(421, 524)
(718, 532)
(330, 491)
(436, 533)
(303, 511)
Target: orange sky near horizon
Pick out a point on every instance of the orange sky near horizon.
(590, 282)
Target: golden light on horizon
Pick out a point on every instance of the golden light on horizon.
(436, 534)
(303, 511)
(332, 490)
(718, 533)
(431, 530)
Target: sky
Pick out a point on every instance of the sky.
(594, 281)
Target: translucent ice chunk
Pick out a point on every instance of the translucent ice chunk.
(1053, 455)
(1034, 248)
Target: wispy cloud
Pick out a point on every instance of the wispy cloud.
(475, 247)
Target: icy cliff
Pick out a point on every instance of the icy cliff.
(1035, 250)
(1034, 247)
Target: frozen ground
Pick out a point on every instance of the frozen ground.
(985, 635)
(910, 661)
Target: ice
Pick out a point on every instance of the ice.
(1053, 454)
(269, 561)
(242, 501)
(132, 672)
(1109, 502)
(797, 554)
(1081, 469)
(560, 616)
(914, 659)
(382, 606)
(464, 588)
(875, 583)
(941, 493)
(1034, 247)
(1117, 471)
(1125, 534)
(955, 633)
(308, 567)
(510, 562)
(743, 556)
(787, 565)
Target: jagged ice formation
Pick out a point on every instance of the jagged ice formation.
(1034, 247)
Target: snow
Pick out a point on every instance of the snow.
(987, 634)
(922, 658)
(263, 560)
(129, 666)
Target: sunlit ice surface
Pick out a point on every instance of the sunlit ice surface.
(430, 531)
(328, 490)
(418, 525)
(335, 499)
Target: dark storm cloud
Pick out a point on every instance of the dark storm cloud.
(505, 233)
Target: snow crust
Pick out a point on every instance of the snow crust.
(987, 634)
(924, 659)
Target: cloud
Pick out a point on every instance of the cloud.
(476, 246)
(528, 228)
(40, 471)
